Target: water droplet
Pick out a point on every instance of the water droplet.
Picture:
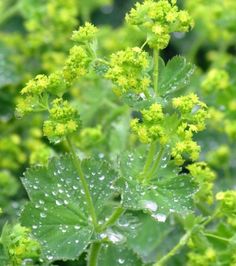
(115, 237)
(77, 227)
(159, 217)
(49, 257)
(59, 202)
(101, 177)
(121, 261)
(150, 205)
(43, 215)
(101, 155)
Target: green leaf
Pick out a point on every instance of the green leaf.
(58, 212)
(117, 255)
(100, 177)
(7, 73)
(175, 76)
(136, 101)
(165, 193)
(3, 257)
(148, 238)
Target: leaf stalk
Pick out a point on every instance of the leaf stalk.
(77, 163)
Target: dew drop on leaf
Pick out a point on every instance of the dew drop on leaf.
(149, 205)
(159, 217)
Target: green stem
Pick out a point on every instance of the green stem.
(9, 13)
(155, 69)
(182, 242)
(217, 237)
(102, 61)
(144, 44)
(93, 254)
(203, 209)
(156, 163)
(149, 159)
(113, 218)
(77, 164)
(211, 218)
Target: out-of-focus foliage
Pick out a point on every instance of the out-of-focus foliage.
(159, 152)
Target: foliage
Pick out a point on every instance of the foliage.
(111, 154)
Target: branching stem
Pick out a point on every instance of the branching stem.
(182, 242)
(155, 69)
(217, 237)
(149, 160)
(156, 163)
(77, 164)
(113, 218)
(93, 253)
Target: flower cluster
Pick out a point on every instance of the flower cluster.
(63, 120)
(85, 34)
(219, 157)
(230, 128)
(214, 30)
(32, 93)
(159, 19)
(154, 126)
(77, 63)
(40, 152)
(193, 114)
(11, 153)
(36, 86)
(228, 205)
(129, 71)
(205, 177)
(185, 147)
(151, 128)
(216, 79)
(192, 110)
(89, 137)
(216, 117)
(8, 184)
(202, 258)
(37, 91)
(57, 83)
(54, 19)
(21, 246)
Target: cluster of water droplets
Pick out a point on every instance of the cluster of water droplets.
(153, 208)
(113, 236)
(178, 80)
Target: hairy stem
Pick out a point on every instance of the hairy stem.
(93, 254)
(149, 160)
(77, 164)
(156, 163)
(182, 242)
(211, 218)
(144, 44)
(217, 237)
(155, 69)
(113, 218)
